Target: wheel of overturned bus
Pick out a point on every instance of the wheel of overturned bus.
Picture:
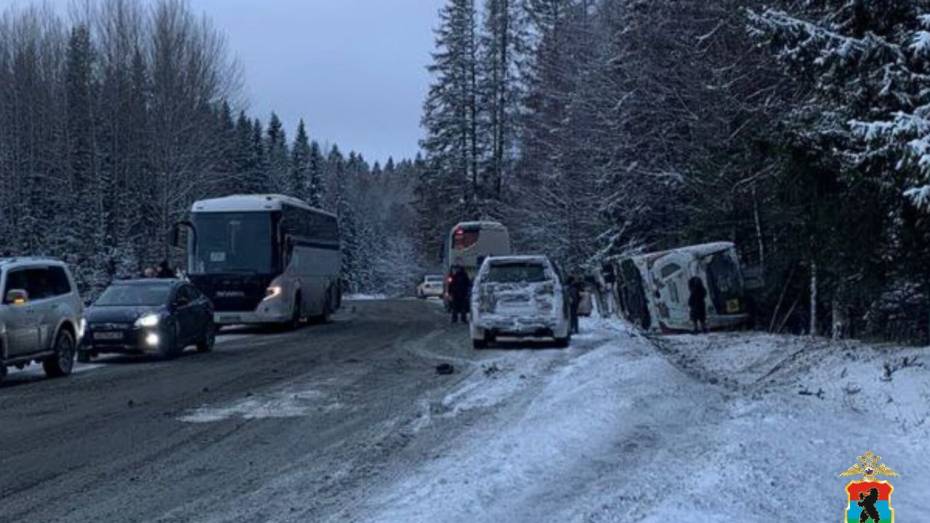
(61, 363)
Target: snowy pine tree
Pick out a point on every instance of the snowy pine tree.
(300, 164)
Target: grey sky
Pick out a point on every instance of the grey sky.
(353, 69)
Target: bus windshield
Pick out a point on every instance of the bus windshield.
(234, 242)
(464, 239)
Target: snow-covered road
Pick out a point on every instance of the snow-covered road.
(350, 422)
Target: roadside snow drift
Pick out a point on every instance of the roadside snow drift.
(719, 428)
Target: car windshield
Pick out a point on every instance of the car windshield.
(516, 273)
(134, 295)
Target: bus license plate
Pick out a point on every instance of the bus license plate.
(732, 306)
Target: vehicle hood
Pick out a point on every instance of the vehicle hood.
(119, 314)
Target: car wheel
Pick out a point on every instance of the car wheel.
(563, 343)
(2, 372)
(172, 347)
(209, 339)
(61, 363)
(479, 344)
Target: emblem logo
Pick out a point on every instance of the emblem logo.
(869, 499)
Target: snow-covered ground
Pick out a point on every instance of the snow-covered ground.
(728, 427)
(364, 297)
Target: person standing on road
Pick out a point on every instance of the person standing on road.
(165, 271)
(460, 290)
(696, 302)
(574, 302)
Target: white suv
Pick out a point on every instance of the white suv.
(41, 315)
(519, 297)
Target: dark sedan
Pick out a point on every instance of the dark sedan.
(151, 316)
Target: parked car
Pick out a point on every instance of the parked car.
(430, 287)
(41, 315)
(519, 297)
(151, 316)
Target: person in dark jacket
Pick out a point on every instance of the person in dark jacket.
(697, 304)
(165, 270)
(574, 301)
(460, 291)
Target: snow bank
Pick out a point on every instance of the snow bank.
(718, 428)
(365, 297)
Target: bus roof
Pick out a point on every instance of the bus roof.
(698, 251)
(252, 203)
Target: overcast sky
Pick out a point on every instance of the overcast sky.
(355, 70)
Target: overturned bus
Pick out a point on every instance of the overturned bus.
(651, 290)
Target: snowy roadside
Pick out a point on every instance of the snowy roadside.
(736, 428)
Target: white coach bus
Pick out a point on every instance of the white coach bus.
(265, 259)
(469, 243)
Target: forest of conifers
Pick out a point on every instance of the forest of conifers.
(795, 128)
(591, 128)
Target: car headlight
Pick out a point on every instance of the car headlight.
(272, 292)
(149, 320)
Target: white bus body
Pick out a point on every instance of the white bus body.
(652, 289)
(469, 243)
(265, 259)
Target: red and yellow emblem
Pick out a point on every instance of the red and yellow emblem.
(869, 499)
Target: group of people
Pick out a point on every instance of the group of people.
(460, 294)
(162, 271)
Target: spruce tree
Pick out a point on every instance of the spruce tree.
(450, 111)
(316, 166)
(300, 164)
(503, 57)
(277, 156)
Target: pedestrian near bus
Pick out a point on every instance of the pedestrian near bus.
(574, 301)
(165, 271)
(460, 292)
(697, 304)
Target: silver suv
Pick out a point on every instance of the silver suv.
(41, 315)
